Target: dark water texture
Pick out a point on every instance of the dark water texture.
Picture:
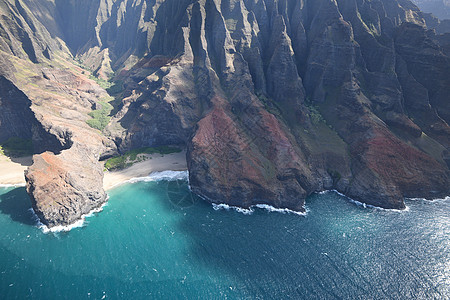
(157, 240)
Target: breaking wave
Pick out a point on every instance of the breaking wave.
(281, 210)
(60, 228)
(163, 175)
(364, 205)
(12, 185)
(432, 200)
(251, 209)
(245, 211)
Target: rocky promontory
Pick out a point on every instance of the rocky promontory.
(273, 99)
(65, 187)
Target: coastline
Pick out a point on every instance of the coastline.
(12, 174)
(158, 163)
(12, 170)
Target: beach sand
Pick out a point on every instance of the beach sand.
(11, 170)
(173, 162)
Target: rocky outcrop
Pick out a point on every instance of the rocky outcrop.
(248, 160)
(66, 178)
(64, 187)
(274, 99)
(65, 183)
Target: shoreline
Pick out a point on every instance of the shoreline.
(12, 175)
(158, 163)
(12, 170)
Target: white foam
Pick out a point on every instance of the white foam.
(432, 200)
(447, 198)
(280, 210)
(251, 209)
(376, 207)
(364, 205)
(79, 223)
(12, 185)
(163, 175)
(245, 211)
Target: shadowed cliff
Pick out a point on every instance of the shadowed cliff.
(274, 99)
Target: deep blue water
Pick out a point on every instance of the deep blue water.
(157, 240)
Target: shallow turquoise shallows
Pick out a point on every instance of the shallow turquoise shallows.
(157, 240)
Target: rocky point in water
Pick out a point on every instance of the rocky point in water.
(273, 99)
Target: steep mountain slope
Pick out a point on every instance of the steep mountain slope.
(274, 99)
(47, 98)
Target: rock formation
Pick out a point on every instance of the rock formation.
(14, 109)
(274, 99)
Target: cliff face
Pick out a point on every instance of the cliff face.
(274, 99)
(16, 118)
(46, 98)
(278, 99)
(65, 180)
(63, 184)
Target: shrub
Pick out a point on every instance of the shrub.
(100, 117)
(315, 115)
(17, 147)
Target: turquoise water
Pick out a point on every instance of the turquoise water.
(157, 240)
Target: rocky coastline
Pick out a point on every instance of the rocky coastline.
(274, 99)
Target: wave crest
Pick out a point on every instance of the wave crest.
(364, 205)
(12, 185)
(251, 209)
(167, 175)
(79, 223)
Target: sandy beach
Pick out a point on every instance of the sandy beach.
(11, 171)
(173, 162)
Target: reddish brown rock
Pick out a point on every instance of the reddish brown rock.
(64, 187)
(259, 165)
(274, 99)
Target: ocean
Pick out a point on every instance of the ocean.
(156, 240)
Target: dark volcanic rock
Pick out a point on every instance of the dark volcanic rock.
(16, 117)
(18, 120)
(230, 164)
(274, 99)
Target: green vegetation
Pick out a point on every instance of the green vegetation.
(131, 157)
(271, 106)
(17, 147)
(115, 88)
(335, 175)
(100, 117)
(116, 91)
(106, 84)
(117, 163)
(112, 87)
(110, 106)
(315, 115)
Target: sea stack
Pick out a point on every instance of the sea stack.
(274, 99)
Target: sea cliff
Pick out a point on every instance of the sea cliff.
(273, 99)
